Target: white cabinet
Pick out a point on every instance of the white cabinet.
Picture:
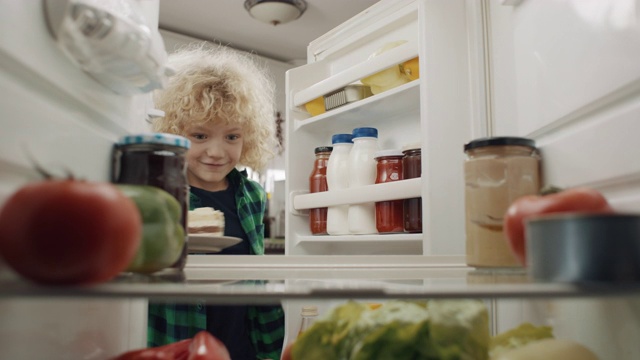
(433, 110)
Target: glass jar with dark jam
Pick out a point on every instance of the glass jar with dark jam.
(159, 160)
(412, 168)
(318, 183)
(389, 214)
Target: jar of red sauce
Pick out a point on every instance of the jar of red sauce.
(318, 183)
(412, 168)
(389, 214)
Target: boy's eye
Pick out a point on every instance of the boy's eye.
(199, 136)
(233, 137)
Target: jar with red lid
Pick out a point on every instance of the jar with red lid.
(318, 183)
(412, 168)
(389, 214)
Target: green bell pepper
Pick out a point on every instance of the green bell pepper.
(163, 235)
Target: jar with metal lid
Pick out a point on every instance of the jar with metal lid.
(318, 183)
(497, 171)
(412, 168)
(389, 214)
(159, 160)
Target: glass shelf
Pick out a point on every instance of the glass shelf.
(271, 279)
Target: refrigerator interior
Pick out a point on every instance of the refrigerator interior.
(59, 110)
(611, 311)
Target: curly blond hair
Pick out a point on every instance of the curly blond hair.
(216, 83)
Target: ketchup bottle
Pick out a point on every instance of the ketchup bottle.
(318, 183)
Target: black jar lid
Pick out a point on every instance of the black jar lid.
(321, 149)
(499, 141)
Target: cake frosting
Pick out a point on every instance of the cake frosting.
(206, 221)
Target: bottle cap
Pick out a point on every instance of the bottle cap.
(365, 132)
(342, 138)
(321, 149)
(311, 310)
(388, 152)
(412, 146)
(499, 141)
(155, 138)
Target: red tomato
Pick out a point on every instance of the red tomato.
(577, 200)
(69, 231)
(207, 347)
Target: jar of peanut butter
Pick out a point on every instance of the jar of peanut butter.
(497, 171)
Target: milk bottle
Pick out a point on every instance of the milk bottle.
(338, 178)
(362, 171)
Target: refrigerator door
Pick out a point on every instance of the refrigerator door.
(112, 42)
(431, 111)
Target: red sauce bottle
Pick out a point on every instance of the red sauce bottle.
(318, 183)
(389, 214)
(412, 168)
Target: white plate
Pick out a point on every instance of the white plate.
(210, 244)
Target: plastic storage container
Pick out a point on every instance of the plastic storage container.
(338, 179)
(497, 171)
(155, 159)
(362, 172)
(318, 183)
(389, 214)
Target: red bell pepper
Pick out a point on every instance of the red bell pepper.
(207, 347)
(203, 346)
(175, 351)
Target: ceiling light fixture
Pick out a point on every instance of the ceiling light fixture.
(275, 12)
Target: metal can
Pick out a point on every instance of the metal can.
(159, 160)
(497, 171)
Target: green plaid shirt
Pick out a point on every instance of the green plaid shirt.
(168, 323)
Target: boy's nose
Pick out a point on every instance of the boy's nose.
(215, 150)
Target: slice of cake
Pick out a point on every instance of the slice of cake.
(206, 221)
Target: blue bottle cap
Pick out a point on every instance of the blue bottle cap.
(155, 138)
(342, 138)
(365, 132)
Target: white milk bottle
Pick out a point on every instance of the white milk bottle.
(362, 171)
(338, 178)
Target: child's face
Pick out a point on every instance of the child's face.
(215, 151)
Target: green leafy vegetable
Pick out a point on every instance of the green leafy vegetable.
(432, 330)
(518, 337)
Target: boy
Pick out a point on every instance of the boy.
(223, 103)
